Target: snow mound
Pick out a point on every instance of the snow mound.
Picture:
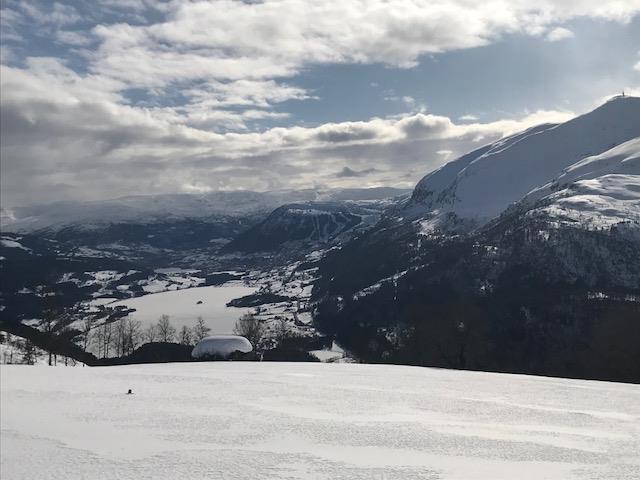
(480, 185)
(221, 345)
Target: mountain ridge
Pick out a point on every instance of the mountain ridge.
(478, 186)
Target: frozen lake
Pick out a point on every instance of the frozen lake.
(183, 308)
(240, 420)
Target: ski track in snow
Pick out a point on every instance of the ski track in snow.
(241, 420)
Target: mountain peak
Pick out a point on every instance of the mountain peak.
(480, 185)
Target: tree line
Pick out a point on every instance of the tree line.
(121, 337)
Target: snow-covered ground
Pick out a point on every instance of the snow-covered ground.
(241, 420)
(183, 308)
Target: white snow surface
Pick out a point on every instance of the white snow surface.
(223, 345)
(183, 308)
(246, 420)
(480, 185)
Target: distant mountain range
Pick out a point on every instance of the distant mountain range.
(146, 209)
(521, 256)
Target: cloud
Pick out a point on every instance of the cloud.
(559, 33)
(74, 38)
(207, 56)
(228, 39)
(56, 14)
(347, 172)
(164, 96)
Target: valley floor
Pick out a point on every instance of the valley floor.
(243, 420)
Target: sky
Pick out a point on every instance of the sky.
(110, 98)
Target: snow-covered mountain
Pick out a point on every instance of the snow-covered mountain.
(598, 191)
(477, 187)
(309, 224)
(146, 209)
(521, 256)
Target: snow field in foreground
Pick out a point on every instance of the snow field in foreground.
(244, 420)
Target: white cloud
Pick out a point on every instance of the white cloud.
(559, 33)
(241, 53)
(67, 136)
(292, 33)
(209, 70)
(70, 37)
(56, 14)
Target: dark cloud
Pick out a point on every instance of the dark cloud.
(347, 172)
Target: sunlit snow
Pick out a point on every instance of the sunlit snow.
(245, 420)
(183, 308)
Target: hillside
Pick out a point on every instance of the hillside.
(309, 225)
(523, 256)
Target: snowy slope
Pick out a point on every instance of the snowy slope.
(600, 191)
(246, 420)
(479, 186)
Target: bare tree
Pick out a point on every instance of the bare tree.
(52, 323)
(185, 335)
(166, 331)
(29, 352)
(282, 330)
(127, 336)
(97, 341)
(250, 327)
(102, 339)
(87, 325)
(119, 339)
(133, 335)
(200, 330)
(150, 334)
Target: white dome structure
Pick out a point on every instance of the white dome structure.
(221, 346)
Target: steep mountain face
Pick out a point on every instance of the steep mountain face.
(596, 192)
(523, 256)
(479, 186)
(303, 226)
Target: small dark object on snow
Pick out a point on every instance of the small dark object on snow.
(130, 392)
(199, 302)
